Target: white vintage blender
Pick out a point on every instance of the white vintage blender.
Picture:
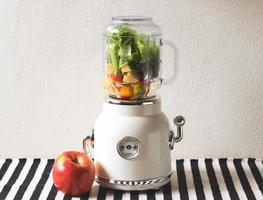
(133, 140)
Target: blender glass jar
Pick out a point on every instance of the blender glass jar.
(132, 58)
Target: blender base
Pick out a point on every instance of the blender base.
(136, 185)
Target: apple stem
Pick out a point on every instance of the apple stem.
(75, 160)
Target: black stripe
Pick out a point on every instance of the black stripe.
(52, 193)
(197, 180)
(4, 168)
(41, 183)
(255, 171)
(243, 179)
(212, 179)
(167, 191)
(150, 194)
(117, 195)
(134, 195)
(67, 197)
(181, 179)
(13, 178)
(85, 196)
(28, 179)
(228, 180)
(102, 193)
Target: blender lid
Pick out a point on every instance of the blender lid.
(131, 18)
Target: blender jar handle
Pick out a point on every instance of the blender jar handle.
(168, 81)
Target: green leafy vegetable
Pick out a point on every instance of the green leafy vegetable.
(127, 48)
(115, 57)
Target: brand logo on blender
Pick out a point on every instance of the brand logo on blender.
(128, 148)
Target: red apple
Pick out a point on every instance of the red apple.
(73, 173)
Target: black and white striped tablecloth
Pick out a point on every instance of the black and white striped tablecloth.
(191, 179)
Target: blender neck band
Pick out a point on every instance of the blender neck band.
(143, 101)
(146, 107)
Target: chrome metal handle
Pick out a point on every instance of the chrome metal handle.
(88, 145)
(179, 121)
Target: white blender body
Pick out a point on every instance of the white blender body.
(132, 146)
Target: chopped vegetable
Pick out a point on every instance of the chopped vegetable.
(111, 88)
(130, 78)
(138, 89)
(116, 77)
(125, 92)
(125, 69)
(110, 68)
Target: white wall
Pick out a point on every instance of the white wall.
(50, 67)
